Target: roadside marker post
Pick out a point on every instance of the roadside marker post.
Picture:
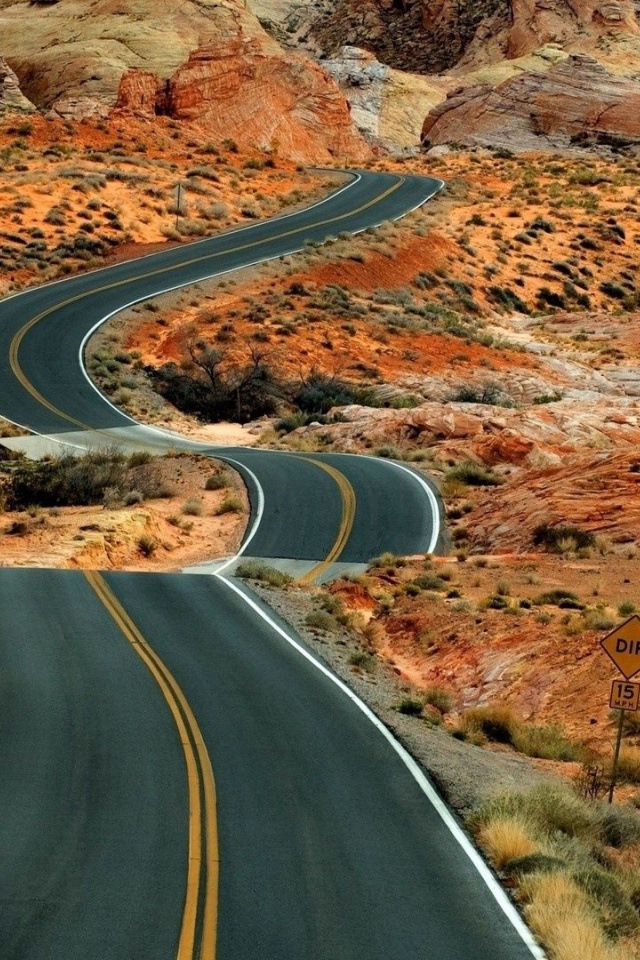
(178, 195)
(622, 646)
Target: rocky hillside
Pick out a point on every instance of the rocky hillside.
(490, 72)
(202, 60)
(315, 81)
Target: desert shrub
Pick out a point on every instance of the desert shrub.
(319, 393)
(551, 538)
(532, 863)
(429, 581)
(439, 698)
(547, 741)
(506, 839)
(18, 528)
(496, 723)
(626, 608)
(68, 480)
(361, 659)
(147, 545)
(217, 481)
(410, 707)
(629, 764)
(553, 809)
(230, 505)
(506, 298)
(257, 570)
(618, 826)
(473, 475)
(214, 389)
(489, 393)
(565, 599)
(139, 458)
(606, 894)
(321, 620)
(192, 508)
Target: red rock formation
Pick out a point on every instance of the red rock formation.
(576, 98)
(141, 92)
(240, 90)
(536, 22)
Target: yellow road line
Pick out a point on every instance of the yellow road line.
(203, 857)
(346, 522)
(20, 335)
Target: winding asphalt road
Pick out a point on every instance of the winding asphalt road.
(121, 696)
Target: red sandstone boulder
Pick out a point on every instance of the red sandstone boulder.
(577, 98)
(241, 90)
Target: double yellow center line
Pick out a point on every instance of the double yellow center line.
(200, 914)
(347, 519)
(16, 343)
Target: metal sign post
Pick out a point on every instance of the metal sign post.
(624, 696)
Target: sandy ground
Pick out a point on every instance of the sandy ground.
(180, 534)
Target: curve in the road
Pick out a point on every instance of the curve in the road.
(56, 398)
(345, 509)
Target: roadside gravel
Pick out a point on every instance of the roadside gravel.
(464, 774)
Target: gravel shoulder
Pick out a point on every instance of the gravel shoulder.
(464, 774)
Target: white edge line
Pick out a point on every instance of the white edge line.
(258, 518)
(357, 177)
(431, 794)
(433, 501)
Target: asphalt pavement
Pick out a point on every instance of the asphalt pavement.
(123, 696)
(327, 845)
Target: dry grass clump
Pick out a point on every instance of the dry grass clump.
(560, 914)
(629, 764)
(574, 866)
(500, 724)
(506, 839)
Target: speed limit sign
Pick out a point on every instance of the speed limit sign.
(625, 695)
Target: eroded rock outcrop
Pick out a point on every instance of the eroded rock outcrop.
(576, 99)
(386, 104)
(198, 60)
(243, 90)
(11, 97)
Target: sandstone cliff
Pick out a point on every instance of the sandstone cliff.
(240, 90)
(386, 104)
(198, 60)
(11, 97)
(576, 99)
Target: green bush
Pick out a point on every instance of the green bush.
(552, 538)
(473, 475)
(410, 707)
(257, 570)
(230, 505)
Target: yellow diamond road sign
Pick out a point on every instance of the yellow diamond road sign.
(623, 646)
